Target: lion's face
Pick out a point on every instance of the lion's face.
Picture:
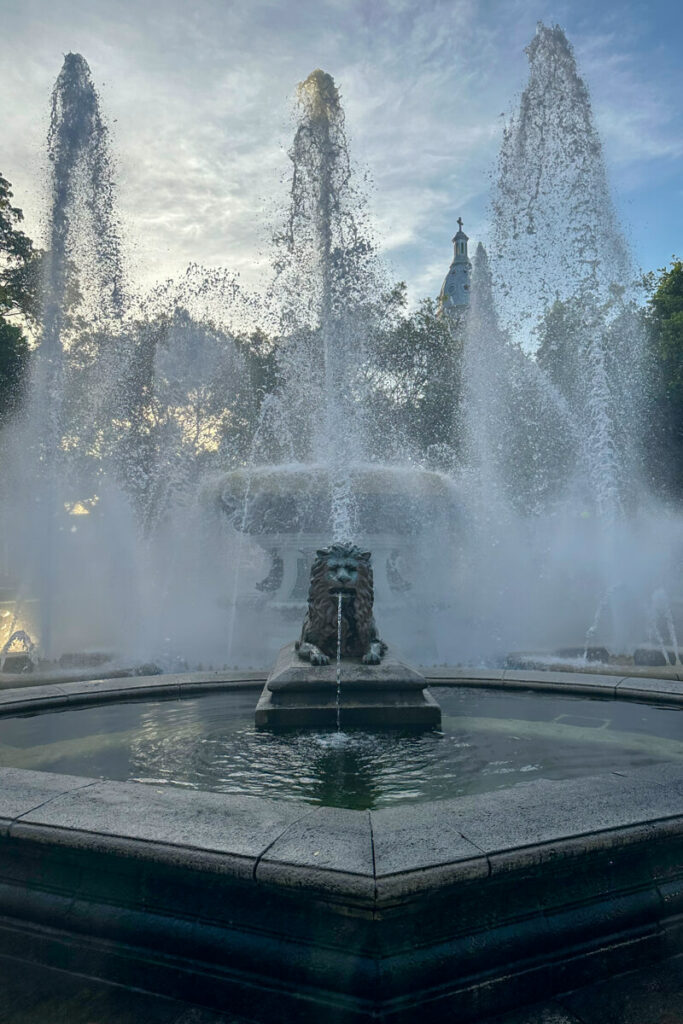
(342, 574)
(341, 569)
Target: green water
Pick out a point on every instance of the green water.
(489, 740)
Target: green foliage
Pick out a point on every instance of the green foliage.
(666, 346)
(666, 306)
(14, 352)
(167, 427)
(417, 376)
(259, 354)
(19, 291)
(559, 347)
(16, 249)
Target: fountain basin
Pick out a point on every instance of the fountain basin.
(288, 511)
(282, 911)
(297, 497)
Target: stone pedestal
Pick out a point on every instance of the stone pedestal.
(389, 695)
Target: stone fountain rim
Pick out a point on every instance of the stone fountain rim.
(48, 693)
(287, 477)
(186, 882)
(566, 808)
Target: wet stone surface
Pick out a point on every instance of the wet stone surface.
(489, 740)
(291, 673)
(651, 996)
(36, 995)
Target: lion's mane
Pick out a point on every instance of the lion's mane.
(358, 624)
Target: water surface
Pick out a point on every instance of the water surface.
(489, 740)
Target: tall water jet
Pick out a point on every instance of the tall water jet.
(558, 245)
(555, 231)
(73, 367)
(555, 408)
(326, 282)
(330, 473)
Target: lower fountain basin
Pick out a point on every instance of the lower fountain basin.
(287, 909)
(489, 740)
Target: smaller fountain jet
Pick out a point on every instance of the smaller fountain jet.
(367, 686)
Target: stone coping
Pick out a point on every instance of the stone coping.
(28, 680)
(372, 855)
(377, 854)
(433, 911)
(16, 680)
(658, 690)
(555, 664)
(36, 698)
(105, 691)
(368, 858)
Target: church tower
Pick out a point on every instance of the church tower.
(454, 297)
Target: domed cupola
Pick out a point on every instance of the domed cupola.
(455, 291)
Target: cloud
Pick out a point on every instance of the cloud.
(637, 121)
(200, 98)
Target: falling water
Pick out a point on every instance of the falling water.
(340, 598)
(82, 276)
(555, 231)
(484, 376)
(558, 244)
(326, 269)
(555, 386)
(242, 525)
(552, 515)
(666, 638)
(604, 605)
(120, 425)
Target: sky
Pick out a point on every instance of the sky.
(199, 98)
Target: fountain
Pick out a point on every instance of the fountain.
(151, 834)
(566, 544)
(373, 689)
(322, 470)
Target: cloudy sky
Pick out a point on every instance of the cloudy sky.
(199, 98)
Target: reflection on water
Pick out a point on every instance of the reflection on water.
(489, 740)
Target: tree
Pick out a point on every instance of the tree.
(186, 402)
(417, 375)
(666, 347)
(19, 300)
(560, 346)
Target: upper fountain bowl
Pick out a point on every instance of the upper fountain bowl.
(298, 498)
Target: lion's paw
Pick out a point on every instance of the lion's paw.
(371, 658)
(318, 658)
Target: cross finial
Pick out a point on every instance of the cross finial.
(460, 223)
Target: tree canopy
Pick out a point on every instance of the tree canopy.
(666, 342)
(19, 276)
(417, 375)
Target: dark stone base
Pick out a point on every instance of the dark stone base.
(297, 914)
(17, 661)
(654, 656)
(390, 695)
(373, 709)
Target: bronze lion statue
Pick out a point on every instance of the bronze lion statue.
(340, 569)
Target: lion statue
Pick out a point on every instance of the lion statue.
(340, 569)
